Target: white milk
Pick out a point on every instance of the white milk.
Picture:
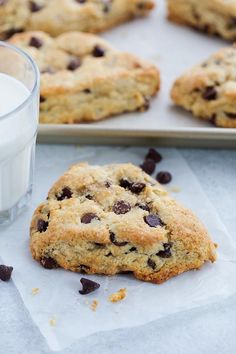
(17, 136)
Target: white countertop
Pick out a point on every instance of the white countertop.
(207, 330)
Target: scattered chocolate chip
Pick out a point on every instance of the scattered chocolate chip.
(125, 183)
(137, 187)
(42, 99)
(210, 93)
(5, 272)
(151, 263)
(66, 193)
(133, 249)
(230, 115)
(34, 7)
(89, 197)
(164, 177)
(42, 225)
(115, 242)
(153, 220)
(74, 64)
(166, 253)
(148, 166)
(108, 184)
(143, 206)
(153, 155)
(87, 218)
(89, 286)
(49, 263)
(121, 207)
(87, 91)
(35, 42)
(98, 51)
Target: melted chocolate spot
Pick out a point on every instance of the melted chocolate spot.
(87, 218)
(115, 242)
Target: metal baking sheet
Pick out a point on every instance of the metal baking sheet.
(173, 49)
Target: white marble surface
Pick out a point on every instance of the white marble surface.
(209, 330)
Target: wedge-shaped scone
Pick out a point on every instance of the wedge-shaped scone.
(210, 16)
(84, 79)
(59, 16)
(209, 89)
(114, 219)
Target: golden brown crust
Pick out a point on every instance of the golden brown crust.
(59, 16)
(81, 228)
(208, 90)
(209, 16)
(84, 79)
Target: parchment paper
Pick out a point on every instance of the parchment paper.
(61, 313)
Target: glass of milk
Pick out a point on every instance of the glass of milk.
(19, 111)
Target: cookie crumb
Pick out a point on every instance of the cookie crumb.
(94, 305)
(35, 291)
(120, 295)
(53, 322)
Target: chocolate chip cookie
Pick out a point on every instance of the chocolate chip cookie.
(210, 16)
(84, 79)
(209, 89)
(59, 16)
(114, 219)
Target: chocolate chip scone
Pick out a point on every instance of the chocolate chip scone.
(59, 16)
(210, 16)
(84, 79)
(209, 89)
(115, 219)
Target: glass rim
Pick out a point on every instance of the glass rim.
(36, 78)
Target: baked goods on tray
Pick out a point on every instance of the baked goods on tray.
(59, 16)
(84, 79)
(116, 218)
(210, 16)
(208, 90)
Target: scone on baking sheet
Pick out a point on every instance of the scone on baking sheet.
(210, 16)
(208, 90)
(84, 79)
(116, 218)
(59, 16)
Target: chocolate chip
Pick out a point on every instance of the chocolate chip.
(74, 64)
(89, 197)
(210, 93)
(153, 155)
(42, 225)
(34, 7)
(48, 263)
(121, 207)
(151, 263)
(42, 99)
(66, 193)
(108, 184)
(137, 187)
(35, 42)
(230, 115)
(148, 166)
(87, 91)
(5, 272)
(115, 242)
(133, 249)
(125, 183)
(164, 177)
(166, 253)
(89, 286)
(143, 206)
(87, 218)
(153, 220)
(98, 51)
(9, 33)
(81, 1)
